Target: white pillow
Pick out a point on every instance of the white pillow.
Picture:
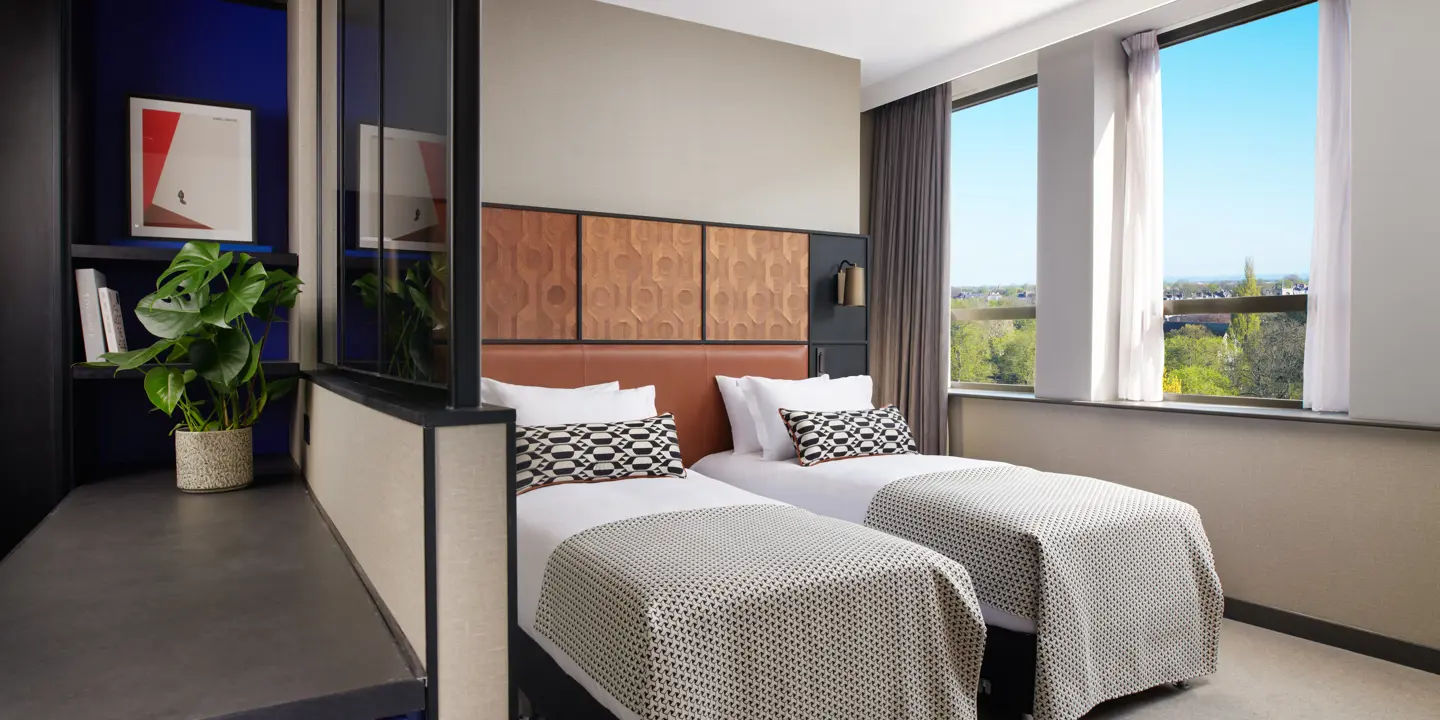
(742, 419)
(489, 389)
(767, 397)
(552, 406)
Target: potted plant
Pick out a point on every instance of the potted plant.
(207, 309)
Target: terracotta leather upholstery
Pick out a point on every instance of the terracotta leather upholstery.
(683, 376)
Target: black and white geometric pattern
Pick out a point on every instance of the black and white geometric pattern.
(764, 611)
(824, 436)
(1121, 583)
(596, 452)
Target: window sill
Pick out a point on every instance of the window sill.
(1259, 413)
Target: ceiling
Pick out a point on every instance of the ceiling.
(887, 36)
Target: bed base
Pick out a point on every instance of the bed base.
(1007, 679)
(1007, 673)
(553, 695)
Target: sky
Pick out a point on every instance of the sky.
(1239, 137)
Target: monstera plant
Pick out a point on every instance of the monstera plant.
(414, 312)
(213, 313)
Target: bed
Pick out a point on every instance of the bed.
(1116, 586)
(738, 605)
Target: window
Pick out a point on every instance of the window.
(993, 187)
(1239, 98)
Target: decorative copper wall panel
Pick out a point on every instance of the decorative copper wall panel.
(528, 274)
(758, 284)
(641, 279)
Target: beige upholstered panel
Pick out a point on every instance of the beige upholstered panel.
(1335, 522)
(367, 470)
(472, 489)
(757, 283)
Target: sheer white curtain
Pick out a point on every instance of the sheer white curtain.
(1142, 285)
(1327, 327)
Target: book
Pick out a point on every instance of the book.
(114, 321)
(87, 291)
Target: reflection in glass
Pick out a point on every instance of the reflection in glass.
(360, 94)
(394, 119)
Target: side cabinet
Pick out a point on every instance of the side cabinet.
(839, 335)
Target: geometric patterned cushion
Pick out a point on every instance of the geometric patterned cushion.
(837, 435)
(596, 452)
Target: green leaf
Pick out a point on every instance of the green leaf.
(422, 304)
(168, 318)
(251, 364)
(277, 389)
(238, 299)
(194, 267)
(165, 386)
(222, 360)
(134, 358)
(181, 347)
(369, 287)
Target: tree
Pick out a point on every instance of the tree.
(970, 353)
(1196, 380)
(1195, 345)
(1015, 355)
(1245, 332)
(1277, 368)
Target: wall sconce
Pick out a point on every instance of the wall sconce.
(851, 282)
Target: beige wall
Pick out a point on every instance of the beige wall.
(1337, 522)
(367, 470)
(590, 106)
(472, 487)
(1396, 218)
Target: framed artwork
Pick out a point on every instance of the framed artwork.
(413, 210)
(192, 170)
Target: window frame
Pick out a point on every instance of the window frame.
(1023, 312)
(1248, 305)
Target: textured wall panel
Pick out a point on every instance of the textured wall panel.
(528, 274)
(758, 283)
(642, 279)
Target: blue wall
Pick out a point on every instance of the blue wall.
(202, 50)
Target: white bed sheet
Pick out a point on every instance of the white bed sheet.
(548, 516)
(841, 489)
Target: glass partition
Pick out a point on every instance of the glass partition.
(393, 270)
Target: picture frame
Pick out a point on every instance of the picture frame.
(413, 212)
(191, 170)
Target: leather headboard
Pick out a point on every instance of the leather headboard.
(683, 376)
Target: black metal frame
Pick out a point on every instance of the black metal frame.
(999, 91)
(464, 227)
(1227, 20)
(254, 167)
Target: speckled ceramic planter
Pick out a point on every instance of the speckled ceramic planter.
(207, 462)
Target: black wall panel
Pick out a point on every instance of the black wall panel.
(830, 322)
(33, 291)
(839, 335)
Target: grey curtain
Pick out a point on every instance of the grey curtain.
(910, 273)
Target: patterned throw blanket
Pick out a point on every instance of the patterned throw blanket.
(764, 611)
(1120, 582)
